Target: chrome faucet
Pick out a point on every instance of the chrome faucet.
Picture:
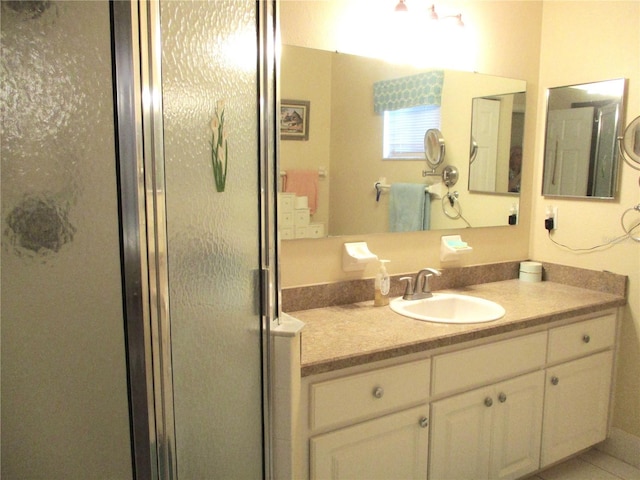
(420, 288)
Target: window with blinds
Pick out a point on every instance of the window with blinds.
(404, 131)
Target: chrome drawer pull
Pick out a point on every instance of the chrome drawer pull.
(488, 401)
(502, 397)
(378, 392)
(424, 422)
(555, 380)
(586, 338)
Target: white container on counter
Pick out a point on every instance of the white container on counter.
(530, 271)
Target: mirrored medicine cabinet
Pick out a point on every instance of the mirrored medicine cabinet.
(582, 155)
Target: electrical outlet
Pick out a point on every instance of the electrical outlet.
(552, 213)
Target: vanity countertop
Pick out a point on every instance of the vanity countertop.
(347, 335)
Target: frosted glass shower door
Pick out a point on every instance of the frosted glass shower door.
(209, 53)
(64, 381)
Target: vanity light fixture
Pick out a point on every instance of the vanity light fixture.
(401, 7)
(431, 13)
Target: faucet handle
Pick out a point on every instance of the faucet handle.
(424, 275)
(408, 291)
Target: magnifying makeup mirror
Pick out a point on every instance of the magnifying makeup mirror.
(434, 148)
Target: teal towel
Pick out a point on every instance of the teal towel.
(409, 207)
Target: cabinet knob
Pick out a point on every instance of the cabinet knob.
(586, 338)
(555, 380)
(424, 422)
(488, 401)
(502, 397)
(378, 392)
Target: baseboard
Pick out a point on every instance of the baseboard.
(622, 445)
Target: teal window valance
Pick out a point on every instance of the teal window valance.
(405, 92)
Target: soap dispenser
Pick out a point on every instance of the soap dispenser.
(382, 284)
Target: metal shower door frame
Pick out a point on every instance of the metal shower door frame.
(140, 163)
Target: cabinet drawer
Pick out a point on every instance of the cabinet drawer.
(357, 396)
(582, 338)
(486, 363)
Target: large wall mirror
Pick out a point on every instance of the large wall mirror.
(581, 155)
(345, 145)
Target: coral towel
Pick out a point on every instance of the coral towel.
(304, 183)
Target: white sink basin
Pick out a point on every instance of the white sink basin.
(449, 308)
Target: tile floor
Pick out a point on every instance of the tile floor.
(591, 465)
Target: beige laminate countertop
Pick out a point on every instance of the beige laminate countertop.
(347, 335)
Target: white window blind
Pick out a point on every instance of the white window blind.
(404, 130)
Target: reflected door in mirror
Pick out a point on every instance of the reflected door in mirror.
(484, 129)
(497, 136)
(568, 150)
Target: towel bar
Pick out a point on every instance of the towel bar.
(380, 187)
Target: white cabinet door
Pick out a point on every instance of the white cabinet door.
(461, 436)
(390, 447)
(576, 406)
(517, 426)
(491, 432)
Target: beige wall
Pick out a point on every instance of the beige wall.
(613, 52)
(549, 43)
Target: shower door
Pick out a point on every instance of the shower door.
(206, 118)
(210, 88)
(64, 380)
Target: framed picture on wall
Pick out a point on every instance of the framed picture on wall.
(294, 119)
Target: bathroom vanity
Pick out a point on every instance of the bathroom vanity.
(384, 396)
